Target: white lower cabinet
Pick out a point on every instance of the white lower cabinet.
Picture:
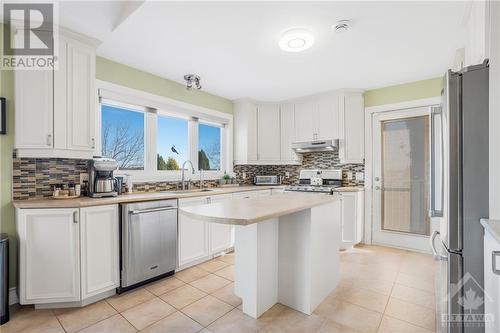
(352, 209)
(99, 249)
(193, 235)
(67, 254)
(200, 241)
(492, 282)
(49, 265)
(221, 235)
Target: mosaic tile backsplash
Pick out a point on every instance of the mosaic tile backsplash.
(319, 160)
(34, 178)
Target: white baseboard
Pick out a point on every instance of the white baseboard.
(13, 299)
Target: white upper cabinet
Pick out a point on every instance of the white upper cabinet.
(328, 117)
(268, 129)
(245, 131)
(352, 121)
(317, 118)
(287, 127)
(264, 133)
(80, 94)
(34, 109)
(55, 113)
(305, 120)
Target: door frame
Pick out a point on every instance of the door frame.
(369, 114)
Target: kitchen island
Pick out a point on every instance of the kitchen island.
(286, 248)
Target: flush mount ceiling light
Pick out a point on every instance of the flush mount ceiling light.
(192, 79)
(296, 40)
(341, 26)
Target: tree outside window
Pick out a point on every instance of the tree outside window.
(172, 143)
(209, 147)
(122, 137)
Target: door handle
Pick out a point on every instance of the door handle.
(49, 139)
(152, 210)
(75, 216)
(435, 254)
(494, 255)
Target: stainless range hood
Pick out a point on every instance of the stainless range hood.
(315, 146)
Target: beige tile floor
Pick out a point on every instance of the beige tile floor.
(381, 290)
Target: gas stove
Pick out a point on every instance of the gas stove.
(317, 181)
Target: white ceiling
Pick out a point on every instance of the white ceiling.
(234, 45)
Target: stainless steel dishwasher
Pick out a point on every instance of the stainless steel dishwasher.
(149, 242)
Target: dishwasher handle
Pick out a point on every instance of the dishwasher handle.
(151, 210)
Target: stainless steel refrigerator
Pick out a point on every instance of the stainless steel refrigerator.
(459, 197)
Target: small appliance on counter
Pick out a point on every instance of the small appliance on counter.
(267, 180)
(317, 181)
(101, 180)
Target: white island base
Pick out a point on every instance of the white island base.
(292, 259)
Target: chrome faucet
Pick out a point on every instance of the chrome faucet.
(184, 169)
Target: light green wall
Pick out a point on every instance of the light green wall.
(404, 92)
(7, 221)
(108, 70)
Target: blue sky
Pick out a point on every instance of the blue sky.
(171, 131)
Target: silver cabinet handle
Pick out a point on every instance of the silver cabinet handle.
(49, 139)
(377, 179)
(435, 254)
(93, 143)
(494, 255)
(75, 216)
(151, 210)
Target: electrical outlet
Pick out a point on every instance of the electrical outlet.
(349, 175)
(287, 174)
(244, 175)
(360, 175)
(84, 177)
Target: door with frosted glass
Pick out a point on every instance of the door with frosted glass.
(401, 178)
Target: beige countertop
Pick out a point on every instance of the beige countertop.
(132, 197)
(253, 210)
(493, 227)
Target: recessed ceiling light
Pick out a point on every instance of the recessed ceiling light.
(296, 40)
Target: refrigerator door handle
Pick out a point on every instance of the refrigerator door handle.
(436, 111)
(435, 254)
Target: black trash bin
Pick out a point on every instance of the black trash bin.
(4, 278)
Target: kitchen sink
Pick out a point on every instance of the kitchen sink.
(196, 190)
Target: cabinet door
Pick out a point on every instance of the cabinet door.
(491, 282)
(353, 147)
(305, 120)
(268, 133)
(287, 133)
(348, 218)
(193, 234)
(34, 109)
(49, 255)
(221, 235)
(81, 98)
(99, 249)
(328, 118)
(245, 132)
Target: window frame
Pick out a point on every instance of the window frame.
(154, 106)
